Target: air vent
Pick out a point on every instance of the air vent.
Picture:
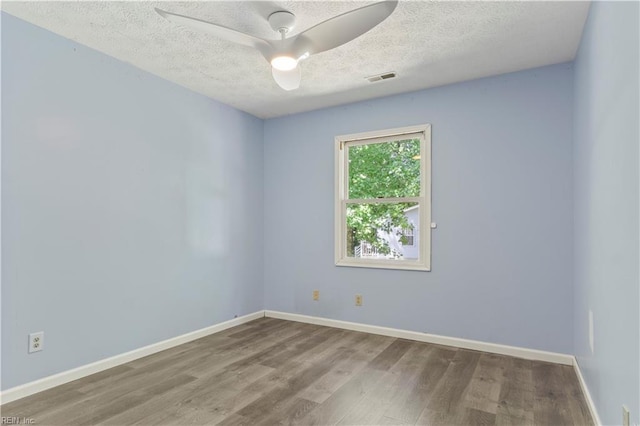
(380, 77)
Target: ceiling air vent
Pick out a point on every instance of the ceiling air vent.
(380, 77)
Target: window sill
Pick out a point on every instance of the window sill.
(403, 265)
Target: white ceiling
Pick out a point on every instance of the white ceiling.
(427, 44)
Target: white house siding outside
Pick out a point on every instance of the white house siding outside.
(413, 216)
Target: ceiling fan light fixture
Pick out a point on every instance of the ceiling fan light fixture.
(285, 54)
(284, 63)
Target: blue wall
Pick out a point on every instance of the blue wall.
(502, 198)
(606, 207)
(131, 206)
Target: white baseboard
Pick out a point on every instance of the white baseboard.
(45, 383)
(86, 370)
(586, 393)
(515, 351)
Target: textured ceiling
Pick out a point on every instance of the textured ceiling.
(427, 44)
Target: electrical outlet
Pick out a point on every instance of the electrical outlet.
(358, 300)
(625, 416)
(316, 294)
(591, 330)
(36, 341)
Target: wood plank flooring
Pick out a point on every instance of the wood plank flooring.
(270, 372)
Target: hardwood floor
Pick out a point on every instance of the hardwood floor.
(271, 371)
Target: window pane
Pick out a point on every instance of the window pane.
(384, 170)
(383, 231)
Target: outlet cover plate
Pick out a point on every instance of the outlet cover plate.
(36, 341)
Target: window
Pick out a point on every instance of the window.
(383, 199)
(407, 234)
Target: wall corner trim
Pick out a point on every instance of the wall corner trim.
(526, 353)
(61, 378)
(586, 393)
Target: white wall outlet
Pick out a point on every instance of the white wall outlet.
(36, 341)
(625, 416)
(591, 330)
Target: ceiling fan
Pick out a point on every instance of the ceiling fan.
(285, 54)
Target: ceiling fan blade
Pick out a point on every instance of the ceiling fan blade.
(288, 80)
(218, 30)
(343, 28)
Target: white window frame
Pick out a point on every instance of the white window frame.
(424, 199)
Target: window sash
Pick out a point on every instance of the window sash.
(345, 236)
(375, 140)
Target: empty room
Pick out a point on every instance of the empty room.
(320, 213)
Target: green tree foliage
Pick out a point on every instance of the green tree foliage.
(381, 170)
